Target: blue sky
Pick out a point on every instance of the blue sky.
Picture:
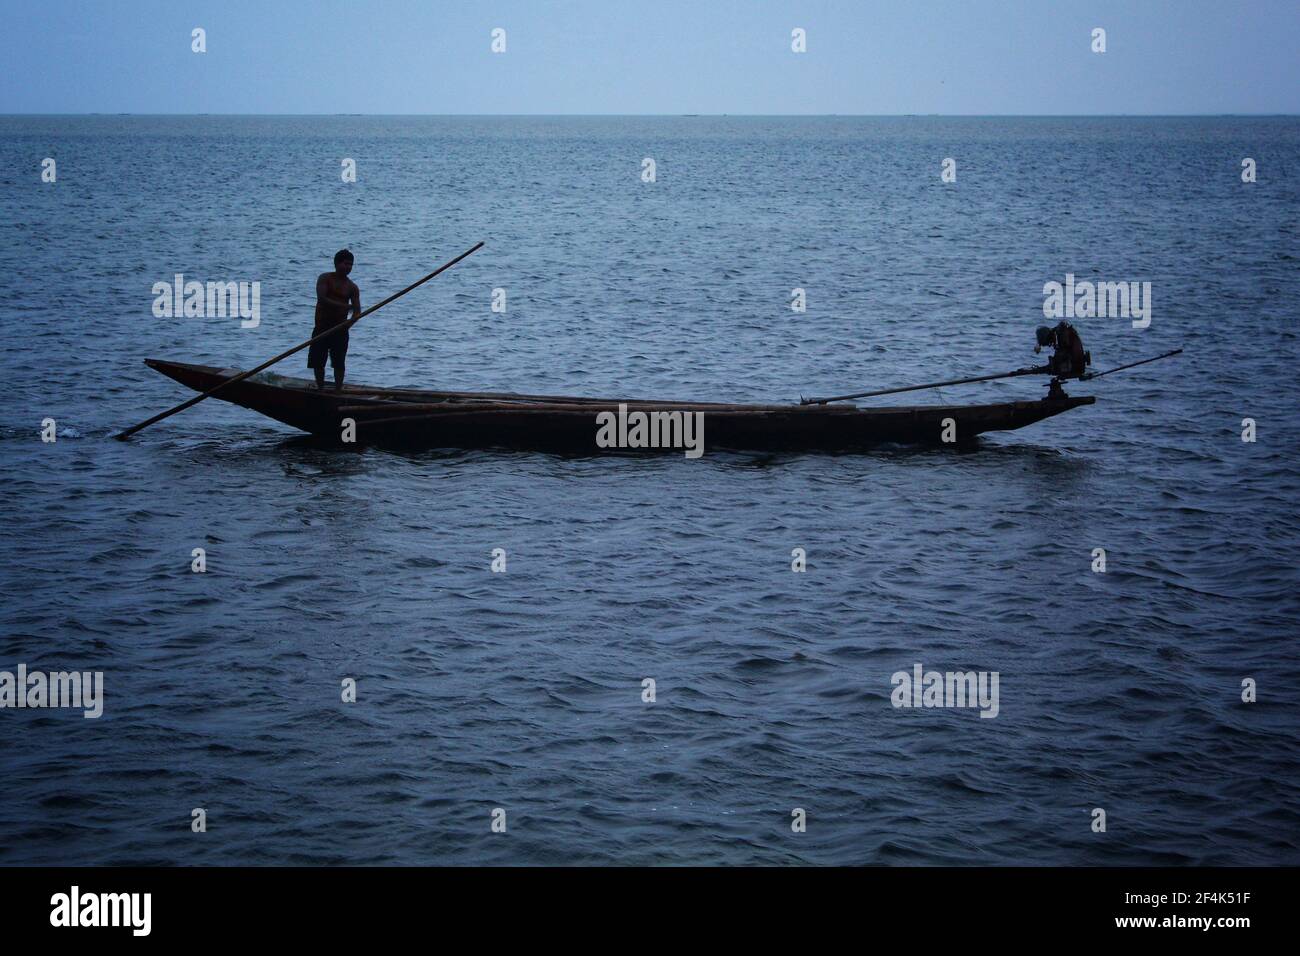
(658, 56)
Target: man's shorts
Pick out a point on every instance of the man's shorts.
(335, 346)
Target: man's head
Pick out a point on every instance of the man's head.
(1046, 338)
(343, 262)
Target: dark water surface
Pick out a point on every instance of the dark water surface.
(523, 690)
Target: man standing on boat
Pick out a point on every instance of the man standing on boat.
(336, 297)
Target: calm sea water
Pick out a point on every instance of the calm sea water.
(523, 690)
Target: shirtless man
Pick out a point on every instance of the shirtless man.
(337, 296)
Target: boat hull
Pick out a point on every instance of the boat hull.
(426, 418)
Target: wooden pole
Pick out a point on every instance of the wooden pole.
(1040, 370)
(122, 436)
(1155, 358)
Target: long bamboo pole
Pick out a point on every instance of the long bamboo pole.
(342, 326)
(1088, 376)
(1040, 370)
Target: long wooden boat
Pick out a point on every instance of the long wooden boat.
(428, 418)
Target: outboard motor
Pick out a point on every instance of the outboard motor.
(1069, 360)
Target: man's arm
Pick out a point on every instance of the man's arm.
(356, 300)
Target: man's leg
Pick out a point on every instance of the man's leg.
(316, 362)
(338, 355)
